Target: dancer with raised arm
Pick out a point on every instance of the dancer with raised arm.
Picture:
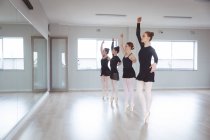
(105, 71)
(128, 73)
(114, 62)
(146, 74)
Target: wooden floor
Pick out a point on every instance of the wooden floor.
(175, 115)
(13, 107)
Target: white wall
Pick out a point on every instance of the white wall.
(18, 80)
(82, 80)
(36, 17)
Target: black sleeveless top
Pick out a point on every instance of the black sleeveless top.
(105, 71)
(128, 71)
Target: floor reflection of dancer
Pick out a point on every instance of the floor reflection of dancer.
(146, 74)
(114, 62)
(128, 74)
(105, 71)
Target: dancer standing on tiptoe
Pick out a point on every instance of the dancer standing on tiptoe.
(114, 62)
(105, 71)
(128, 73)
(146, 74)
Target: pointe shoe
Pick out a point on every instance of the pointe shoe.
(105, 97)
(111, 100)
(146, 118)
(132, 108)
(116, 100)
(126, 107)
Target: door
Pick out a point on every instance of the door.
(59, 63)
(39, 61)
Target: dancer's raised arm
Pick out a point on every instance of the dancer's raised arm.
(138, 32)
(122, 47)
(102, 43)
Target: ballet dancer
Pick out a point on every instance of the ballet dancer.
(105, 71)
(114, 62)
(146, 74)
(128, 73)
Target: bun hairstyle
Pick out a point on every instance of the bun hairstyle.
(150, 34)
(117, 49)
(106, 50)
(130, 44)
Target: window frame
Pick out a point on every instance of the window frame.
(97, 55)
(195, 56)
(2, 68)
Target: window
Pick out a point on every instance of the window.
(89, 55)
(11, 53)
(176, 55)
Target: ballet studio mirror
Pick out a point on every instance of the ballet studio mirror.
(23, 67)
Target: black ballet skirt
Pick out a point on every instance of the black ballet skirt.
(105, 71)
(128, 71)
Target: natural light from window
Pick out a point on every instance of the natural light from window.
(11, 53)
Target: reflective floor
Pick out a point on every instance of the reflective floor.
(175, 115)
(13, 107)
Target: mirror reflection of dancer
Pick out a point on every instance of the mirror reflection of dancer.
(146, 74)
(114, 62)
(128, 74)
(105, 71)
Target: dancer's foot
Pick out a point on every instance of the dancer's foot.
(131, 108)
(105, 98)
(126, 107)
(146, 118)
(116, 100)
(111, 100)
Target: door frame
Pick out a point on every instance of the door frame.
(32, 60)
(66, 59)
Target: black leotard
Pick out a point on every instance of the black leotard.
(145, 56)
(113, 65)
(105, 71)
(128, 71)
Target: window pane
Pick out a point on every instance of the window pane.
(86, 63)
(1, 53)
(176, 54)
(163, 49)
(89, 57)
(182, 50)
(13, 48)
(86, 48)
(182, 64)
(164, 64)
(14, 63)
(107, 44)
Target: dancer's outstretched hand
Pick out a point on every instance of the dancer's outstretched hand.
(153, 67)
(139, 19)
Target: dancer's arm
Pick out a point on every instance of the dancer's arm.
(102, 43)
(154, 65)
(122, 47)
(112, 46)
(138, 32)
(132, 58)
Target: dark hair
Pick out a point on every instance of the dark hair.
(150, 34)
(106, 50)
(130, 44)
(117, 49)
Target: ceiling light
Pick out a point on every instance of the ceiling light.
(180, 17)
(111, 15)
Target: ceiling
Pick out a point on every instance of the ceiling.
(83, 12)
(9, 15)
